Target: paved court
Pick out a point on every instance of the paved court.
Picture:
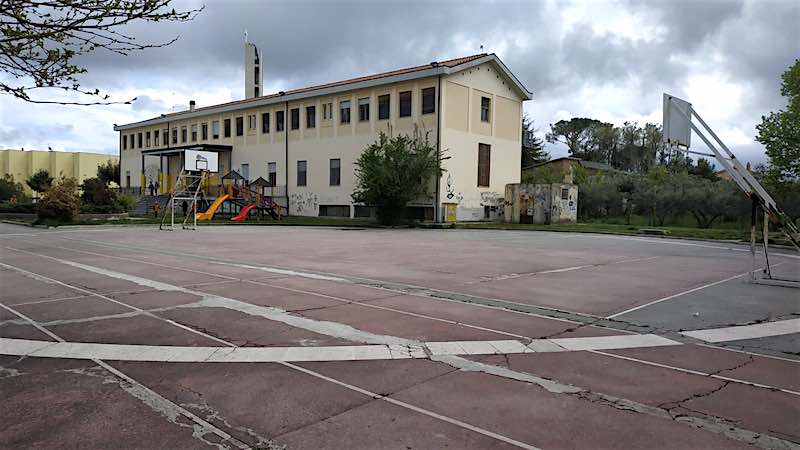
(304, 337)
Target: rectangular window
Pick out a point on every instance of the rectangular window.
(344, 111)
(125, 142)
(311, 116)
(486, 104)
(240, 126)
(272, 173)
(245, 171)
(428, 100)
(139, 140)
(265, 122)
(279, 121)
(226, 125)
(405, 104)
(184, 133)
(295, 118)
(155, 138)
(327, 111)
(336, 172)
(484, 164)
(147, 139)
(302, 168)
(194, 132)
(257, 92)
(255, 75)
(383, 107)
(251, 122)
(363, 109)
(215, 129)
(204, 131)
(127, 178)
(174, 136)
(166, 136)
(564, 194)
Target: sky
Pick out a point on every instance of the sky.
(609, 60)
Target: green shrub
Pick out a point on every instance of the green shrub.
(10, 189)
(24, 208)
(60, 203)
(127, 202)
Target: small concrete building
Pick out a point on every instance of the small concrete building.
(79, 165)
(541, 203)
(305, 141)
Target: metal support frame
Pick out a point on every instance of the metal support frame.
(754, 190)
(187, 188)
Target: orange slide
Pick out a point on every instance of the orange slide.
(209, 213)
(243, 213)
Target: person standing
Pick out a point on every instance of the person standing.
(184, 207)
(151, 188)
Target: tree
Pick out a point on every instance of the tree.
(60, 203)
(704, 169)
(41, 40)
(40, 181)
(393, 171)
(96, 192)
(108, 172)
(579, 134)
(10, 189)
(546, 174)
(709, 201)
(780, 131)
(533, 151)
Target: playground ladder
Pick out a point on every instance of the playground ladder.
(187, 188)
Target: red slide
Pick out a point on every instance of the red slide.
(243, 213)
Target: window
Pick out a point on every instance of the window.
(564, 194)
(147, 139)
(256, 91)
(272, 173)
(327, 111)
(155, 138)
(265, 122)
(428, 100)
(295, 118)
(139, 140)
(383, 107)
(344, 111)
(363, 109)
(194, 132)
(302, 170)
(484, 162)
(251, 122)
(166, 136)
(336, 172)
(204, 131)
(245, 171)
(255, 74)
(405, 104)
(125, 142)
(239, 126)
(127, 178)
(486, 104)
(184, 133)
(174, 135)
(226, 125)
(311, 116)
(215, 129)
(279, 121)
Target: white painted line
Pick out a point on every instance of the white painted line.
(22, 347)
(613, 342)
(314, 276)
(760, 330)
(544, 346)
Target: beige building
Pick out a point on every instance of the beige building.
(305, 141)
(22, 164)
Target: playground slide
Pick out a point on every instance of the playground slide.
(209, 213)
(243, 213)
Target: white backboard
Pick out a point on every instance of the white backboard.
(196, 160)
(676, 128)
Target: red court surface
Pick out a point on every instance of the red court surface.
(302, 337)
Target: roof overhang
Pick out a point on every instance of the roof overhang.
(275, 99)
(178, 150)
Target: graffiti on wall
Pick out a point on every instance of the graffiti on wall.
(304, 201)
(450, 194)
(490, 199)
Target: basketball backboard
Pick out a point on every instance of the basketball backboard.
(196, 160)
(676, 122)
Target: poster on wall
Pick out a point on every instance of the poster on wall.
(196, 160)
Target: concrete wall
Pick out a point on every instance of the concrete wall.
(541, 203)
(22, 164)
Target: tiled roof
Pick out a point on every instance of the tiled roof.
(448, 63)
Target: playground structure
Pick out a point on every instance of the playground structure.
(192, 188)
(677, 129)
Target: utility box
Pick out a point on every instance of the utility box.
(541, 203)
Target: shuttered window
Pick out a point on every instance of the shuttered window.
(484, 164)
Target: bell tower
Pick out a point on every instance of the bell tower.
(253, 76)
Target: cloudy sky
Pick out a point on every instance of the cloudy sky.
(609, 60)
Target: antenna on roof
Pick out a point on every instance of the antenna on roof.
(245, 35)
(481, 48)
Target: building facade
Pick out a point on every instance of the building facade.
(79, 165)
(306, 141)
